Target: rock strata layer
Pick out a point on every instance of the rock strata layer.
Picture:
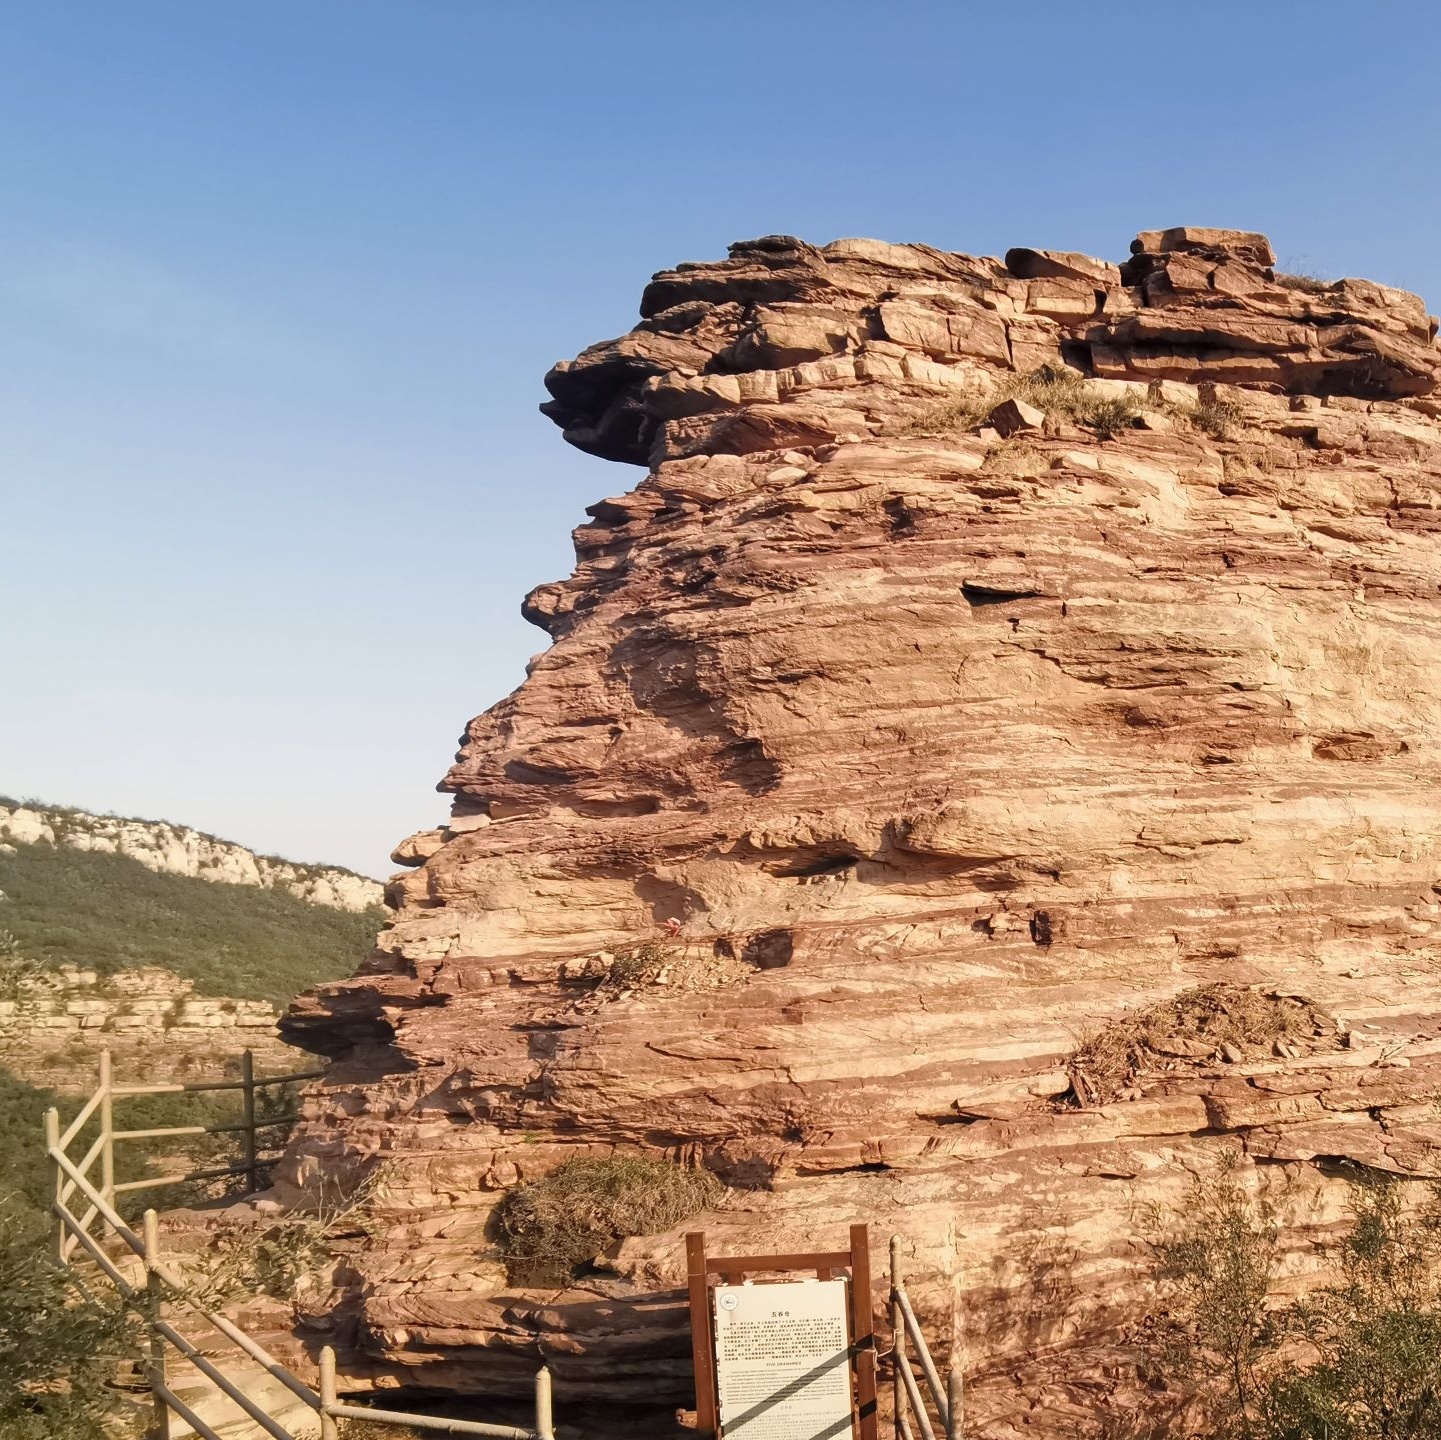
(910, 755)
(54, 1024)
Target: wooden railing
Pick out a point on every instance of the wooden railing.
(908, 1401)
(255, 1157)
(164, 1298)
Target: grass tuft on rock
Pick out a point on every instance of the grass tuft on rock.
(1218, 1022)
(1309, 284)
(551, 1227)
(1064, 394)
(1216, 418)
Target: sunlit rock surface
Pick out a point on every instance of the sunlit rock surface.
(923, 753)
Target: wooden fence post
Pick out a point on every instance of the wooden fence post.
(544, 1412)
(107, 1131)
(328, 1429)
(955, 1402)
(863, 1327)
(52, 1142)
(247, 1101)
(154, 1293)
(702, 1340)
(898, 1337)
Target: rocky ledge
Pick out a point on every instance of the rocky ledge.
(993, 649)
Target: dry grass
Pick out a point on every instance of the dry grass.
(690, 966)
(1063, 394)
(554, 1225)
(1210, 1022)
(1310, 284)
(1216, 418)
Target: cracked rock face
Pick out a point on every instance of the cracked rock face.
(878, 760)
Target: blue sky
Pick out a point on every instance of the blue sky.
(279, 282)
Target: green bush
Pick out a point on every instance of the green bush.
(59, 1348)
(552, 1226)
(1359, 1359)
(109, 912)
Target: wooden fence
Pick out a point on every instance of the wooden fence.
(907, 1397)
(164, 1297)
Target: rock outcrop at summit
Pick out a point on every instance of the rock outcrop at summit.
(992, 649)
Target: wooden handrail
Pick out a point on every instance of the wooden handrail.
(194, 1087)
(913, 1393)
(222, 1382)
(907, 1391)
(164, 1285)
(923, 1354)
(78, 1123)
(184, 1411)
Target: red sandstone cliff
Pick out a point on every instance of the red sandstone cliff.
(942, 749)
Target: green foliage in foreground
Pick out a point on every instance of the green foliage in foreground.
(109, 912)
(58, 1350)
(1359, 1359)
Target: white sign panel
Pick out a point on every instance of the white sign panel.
(783, 1360)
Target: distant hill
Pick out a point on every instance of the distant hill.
(182, 850)
(108, 912)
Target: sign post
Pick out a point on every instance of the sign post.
(783, 1359)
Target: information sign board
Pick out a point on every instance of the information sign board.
(783, 1366)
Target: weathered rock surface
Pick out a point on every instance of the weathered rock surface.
(54, 1024)
(937, 752)
(179, 850)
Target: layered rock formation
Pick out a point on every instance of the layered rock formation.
(179, 850)
(907, 755)
(54, 1024)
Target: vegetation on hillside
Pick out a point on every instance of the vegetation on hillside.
(71, 819)
(1358, 1359)
(109, 912)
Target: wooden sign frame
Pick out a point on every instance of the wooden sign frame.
(701, 1269)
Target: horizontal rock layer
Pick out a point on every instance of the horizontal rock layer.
(904, 756)
(54, 1024)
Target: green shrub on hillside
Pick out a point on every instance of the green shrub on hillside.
(58, 1350)
(109, 912)
(1359, 1359)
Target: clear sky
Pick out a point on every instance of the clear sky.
(279, 281)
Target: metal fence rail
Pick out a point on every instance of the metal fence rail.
(907, 1399)
(165, 1297)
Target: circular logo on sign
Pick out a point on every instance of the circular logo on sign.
(728, 1302)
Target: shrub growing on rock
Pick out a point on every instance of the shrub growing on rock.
(1358, 1359)
(554, 1225)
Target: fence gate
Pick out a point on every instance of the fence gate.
(165, 1300)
